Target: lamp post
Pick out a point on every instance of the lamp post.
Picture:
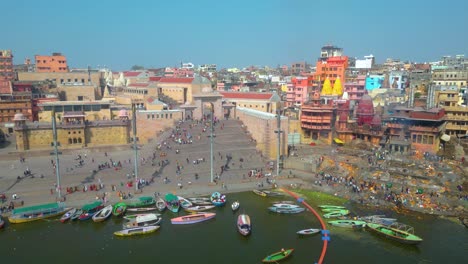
(56, 153)
(135, 146)
(211, 141)
(278, 131)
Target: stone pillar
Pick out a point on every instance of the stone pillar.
(197, 112)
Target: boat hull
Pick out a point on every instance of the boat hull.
(192, 219)
(308, 232)
(119, 209)
(15, 220)
(277, 256)
(244, 225)
(394, 234)
(137, 231)
(348, 223)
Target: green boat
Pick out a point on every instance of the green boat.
(119, 209)
(331, 207)
(329, 210)
(396, 232)
(348, 223)
(336, 214)
(141, 201)
(277, 256)
(37, 212)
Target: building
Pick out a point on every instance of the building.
(456, 115)
(182, 89)
(7, 73)
(90, 110)
(317, 119)
(298, 92)
(329, 51)
(332, 68)
(207, 68)
(448, 77)
(375, 82)
(298, 67)
(78, 92)
(264, 102)
(366, 63)
(84, 77)
(398, 80)
(356, 89)
(12, 104)
(55, 63)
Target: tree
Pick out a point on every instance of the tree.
(137, 67)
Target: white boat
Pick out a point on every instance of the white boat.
(137, 231)
(103, 214)
(160, 204)
(142, 209)
(285, 206)
(235, 205)
(309, 231)
(199, 208)
(141, 220)
(184, 203)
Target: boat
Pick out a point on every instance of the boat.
(76, 215)
(286, 210)
(310, 231)
(348, 223)
(336, 207)
(284, 202)
(243, 224)
(141, 201)
(336, 214)
(258, 192)
(172, 202)
(218, 199)
(137, 231)
(397, 232)
(2, 222)
(119, 209)
(278, 256)
(68, 215)
(200, 202)
(378, 219)
(160, 204)
(140, 220)
(37, 212)
(272, 194)
(89, 210)
(192, 219)
(103, 214)
(199, 199)
(235, 205)
(142, 209)
(199, 208)
(285, 206)
(184, 203)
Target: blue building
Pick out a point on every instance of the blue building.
(374, 82)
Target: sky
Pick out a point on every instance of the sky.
(231, 33)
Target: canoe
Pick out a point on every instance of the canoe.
(396, 232)
(235, 205)
(89, 210)
(141, 201)
(218, 199)
(199, 199)
(277, 256)
(137, 231)
(285, 206)
(309, 231)
(76, 215)
(337, 207)
(378, 219)
(68, 215)
(286, 210)
(141, 220)
(142, 209)
(199, 208)
(273, 194)
(160, 204)
(243, 224)
(119, 209)
(103, 214)
(336, 214)
(172, 202)
(192, 219)
(184, 203)
(348, 223)
(201, 202)
(258, 192)
(36, 212)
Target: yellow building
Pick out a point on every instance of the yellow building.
(92, 110)
(182, 89)
(264, 102)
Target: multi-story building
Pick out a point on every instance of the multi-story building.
(375, 82)
(366, 63)
(55, 63)
(331, 68)
(450, 77)
(94, 77)
(317, 119)
(455, 114)
(297, 92)
(328, 51)
(298, 67)
(356, 89)
(264, 102)
(14, 103)
(6, 70)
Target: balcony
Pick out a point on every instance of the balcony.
(424, 129)
(316, 119)
(315, 127)
(394, 125)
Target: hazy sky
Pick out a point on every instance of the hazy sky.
(231, 33)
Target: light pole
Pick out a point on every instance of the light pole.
(211, 141)
(135, 146)
(278, 131)
(56, 152)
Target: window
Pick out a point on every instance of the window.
(147, 116)
(80, 98)
(170, 116)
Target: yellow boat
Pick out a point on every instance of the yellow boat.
(36, 212)
(261, 193)
(137, 231)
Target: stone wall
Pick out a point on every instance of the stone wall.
(150, 123)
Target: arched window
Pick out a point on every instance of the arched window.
(74, 141)
(70, 141)
(79, 140)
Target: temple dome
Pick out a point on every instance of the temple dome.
(19, 117)
(337, 87)
(327, 88)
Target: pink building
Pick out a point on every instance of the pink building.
(297, 92)
(356, 89)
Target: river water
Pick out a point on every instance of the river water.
(217, 240)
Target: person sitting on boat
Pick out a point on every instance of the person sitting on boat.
(283, 251)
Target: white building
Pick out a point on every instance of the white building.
(366, 63)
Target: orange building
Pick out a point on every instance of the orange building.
(332, 68)
(55, 63)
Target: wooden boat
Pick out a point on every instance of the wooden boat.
(378, 219)
(76, 215)
(184, 203)
(348, 223)
(142, 209)
(103, 214)
(310, 231)
(284, 202)
(286, 210)
(119, 209)
(140, 220)
(89, 210)
(272, 194)
(336, 207)
(160, 204)
(397, 232)
(172, 202)
(141, 201)
(258, 192)
(336, 214)
(68, 215)
(243, 224)
(278, 256)
(285, 206)
(2, 222)
(192, 219)
(199, 199)
(235, 206)
(218, 199)
(201, 202)
(36, 212)
(199, 208)
(135, 231)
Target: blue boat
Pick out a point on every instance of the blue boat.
(89, 210)
(218, 199)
